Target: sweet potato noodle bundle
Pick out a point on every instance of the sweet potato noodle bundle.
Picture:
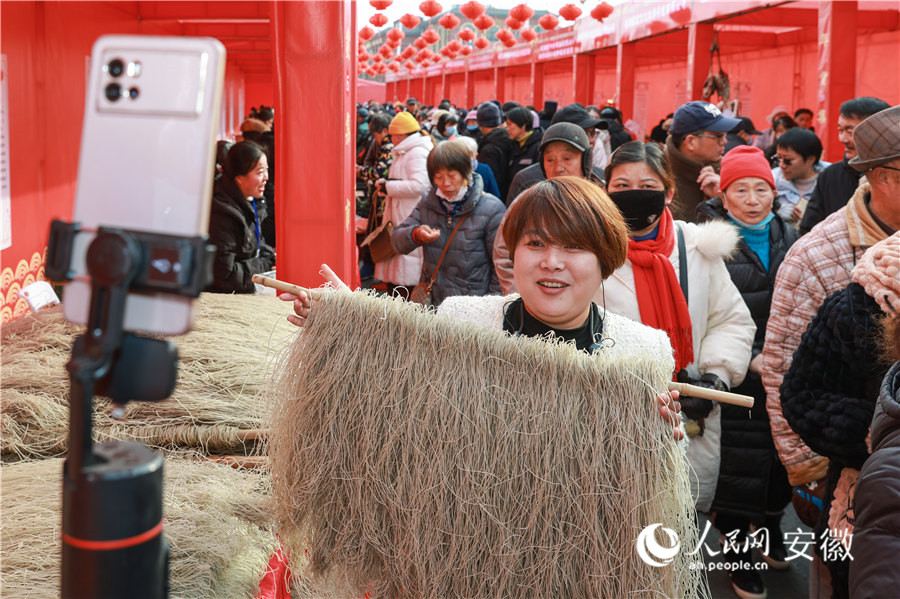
(218, 523)
(224, 362)
(414, 455)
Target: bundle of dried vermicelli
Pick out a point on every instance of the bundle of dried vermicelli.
(224, 362)
(218, 523)
(414, 455)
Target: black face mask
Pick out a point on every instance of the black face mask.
(640, 207)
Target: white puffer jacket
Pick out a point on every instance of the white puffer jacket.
(409, 182)
(722, 327)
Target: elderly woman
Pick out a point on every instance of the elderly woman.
(455, 225)
(407, 182)
(752, 488)
(675, 279)
(567, 238)
(235, 217)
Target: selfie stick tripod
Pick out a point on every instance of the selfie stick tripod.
(113, 545)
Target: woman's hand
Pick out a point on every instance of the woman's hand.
(424, 234)
(302, 301)
(756, 364)
(669, 410)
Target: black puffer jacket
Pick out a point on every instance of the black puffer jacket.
(468, 266)
(876, 537)
(233, 231)
(748, 453)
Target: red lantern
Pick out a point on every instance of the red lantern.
(385, 51)
(370, 71)
(420, 43)
(528, 35)
(395, 34)
(377, 58)
(393, 43)
(366, 33)
(380, 4)
(408, 53)
(570, 12)
(455, 45)
(449, 21)
(682, 16)
(482, 43)
(465, 50)
(483, 22)
(410, 65)
(378, 19)
(657, 27)
(431, 36)
(430, 8)
(504, 34)
(409, 21)
(601, 11)
(363, 56)
(521, 12)
(513, 23)
(548, 22)
(472, 10)
(466, 34)
(394, 67)
(509, 42)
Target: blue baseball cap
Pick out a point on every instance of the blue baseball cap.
(701, 116)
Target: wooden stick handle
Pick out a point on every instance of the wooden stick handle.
(707, 393)
(252, 434)
(284, 287)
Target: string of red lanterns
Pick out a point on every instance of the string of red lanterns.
(517, 19)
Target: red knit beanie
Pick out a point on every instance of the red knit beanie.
(744, 161)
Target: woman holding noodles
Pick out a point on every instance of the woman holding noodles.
(567, 238)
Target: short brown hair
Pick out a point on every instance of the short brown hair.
(450, 156)
(570, 211)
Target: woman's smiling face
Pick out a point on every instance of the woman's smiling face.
(557, 283)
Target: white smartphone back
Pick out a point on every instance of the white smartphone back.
(147, 157)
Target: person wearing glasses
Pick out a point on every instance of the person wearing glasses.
(836, 184)
(819, 264)
(695, 145)
(799, 156)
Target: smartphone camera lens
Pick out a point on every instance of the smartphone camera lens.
(133, 93)
(116, 67)
(113, 92)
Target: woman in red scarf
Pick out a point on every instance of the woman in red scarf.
(675, 279)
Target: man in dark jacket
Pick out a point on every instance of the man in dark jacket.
(617, 133)
(836, 184)
(526, 140)
(495, 148)
(694, 148)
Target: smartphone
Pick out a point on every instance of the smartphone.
(147, 157)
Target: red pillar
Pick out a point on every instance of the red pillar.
(625, 63)
(584, 78)
(700, 36)
(500, 82)
(469, 86)
(314, 47)
(537, 84)
(837, 71)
